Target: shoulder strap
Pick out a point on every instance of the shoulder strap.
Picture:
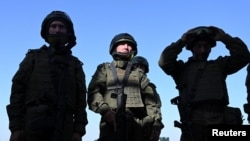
(126, 75)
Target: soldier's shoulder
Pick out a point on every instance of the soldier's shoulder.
(77, 60)
(103, 65)
(37, 50)
(152, 85)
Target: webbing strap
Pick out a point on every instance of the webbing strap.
(126, 75)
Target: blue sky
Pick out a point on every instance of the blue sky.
(154, 25)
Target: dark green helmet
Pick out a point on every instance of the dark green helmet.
(200, 32)
(123, 37)
(141, 61)
(61, 16)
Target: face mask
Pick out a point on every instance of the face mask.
(58, 39)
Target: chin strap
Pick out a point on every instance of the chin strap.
(123, 56)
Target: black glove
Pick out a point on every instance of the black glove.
(155, 134)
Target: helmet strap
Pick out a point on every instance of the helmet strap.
(123, 56)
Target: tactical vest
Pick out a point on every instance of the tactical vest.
(41, 88)
(210, 86)
(133, 89)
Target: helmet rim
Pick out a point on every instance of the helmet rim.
(122, 37)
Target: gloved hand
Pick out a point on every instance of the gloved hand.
(219, 33)
(16, 135)
(76, 137)
(109, 117)
(186, 35)
(155, 134)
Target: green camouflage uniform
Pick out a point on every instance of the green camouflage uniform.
(141, 104)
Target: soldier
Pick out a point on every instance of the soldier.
(139, 62)
(247, 105)
(118, 93)
(48, 94)
(202, 83)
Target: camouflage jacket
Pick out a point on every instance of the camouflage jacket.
(100, 101)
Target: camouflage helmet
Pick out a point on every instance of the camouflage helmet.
(141, 61)
(61, 16)
(123, 37)
(200, 32)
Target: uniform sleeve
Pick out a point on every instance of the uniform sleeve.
(239, 54)
(168, 58)
(81, 114)
(19, 83)
(153, 105)
(96, 90)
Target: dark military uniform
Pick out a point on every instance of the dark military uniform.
(204, 94)
(141, 105)
(247, 83)
(48, 93)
